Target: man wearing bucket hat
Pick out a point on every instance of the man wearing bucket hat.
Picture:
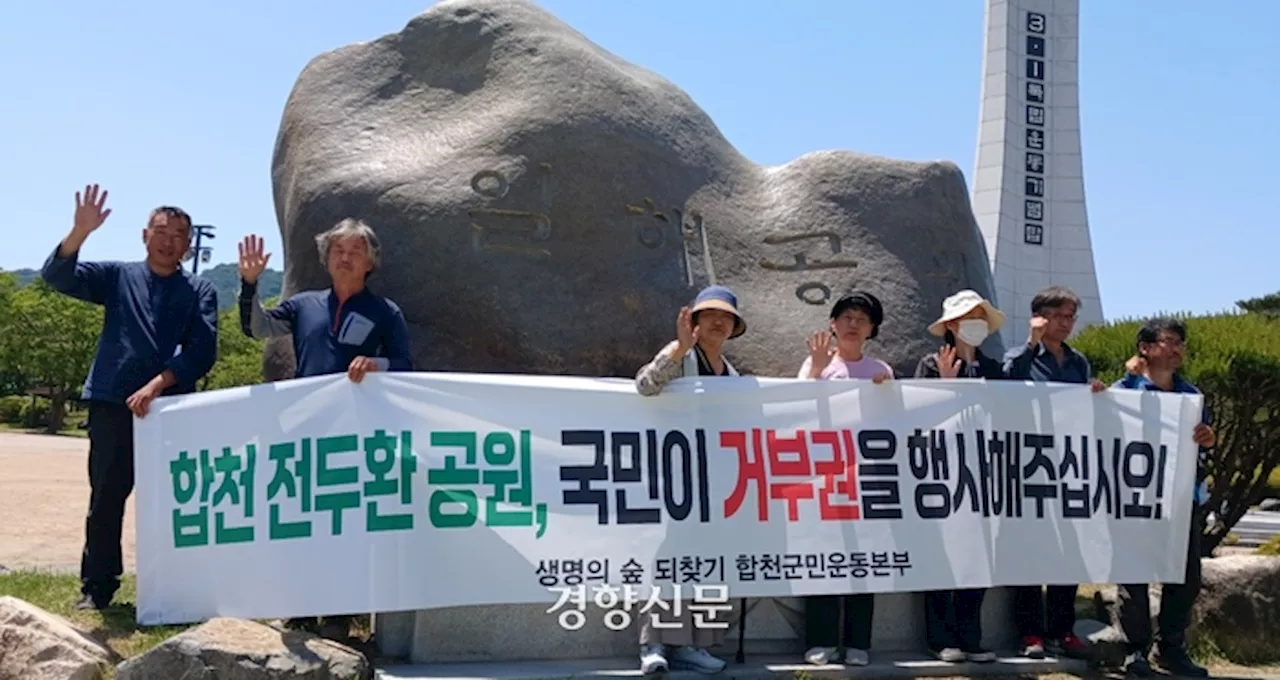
(698, 350)
(953, 618)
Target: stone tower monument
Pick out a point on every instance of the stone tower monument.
(1028, 188)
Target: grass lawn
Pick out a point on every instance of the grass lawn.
(70, 431)
(70, 426)
(115, 625)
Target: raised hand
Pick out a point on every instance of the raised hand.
(90, 212)
(686, 332)
(1136, 365)
(1036, 332)
(820, 352)
(252, 258)
(948, 363)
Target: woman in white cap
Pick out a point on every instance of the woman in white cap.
(967, 320)
(953, 618)
(698, 350)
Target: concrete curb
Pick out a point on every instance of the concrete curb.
(884, 665)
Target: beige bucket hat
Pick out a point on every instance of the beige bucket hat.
(962, 303)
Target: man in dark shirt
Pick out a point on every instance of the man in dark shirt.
(159, 337)
(343, 328)
(1046, 357)
(1161, 343)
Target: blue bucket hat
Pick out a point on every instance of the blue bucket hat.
(723, 299)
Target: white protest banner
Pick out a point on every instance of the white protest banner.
(420, 490)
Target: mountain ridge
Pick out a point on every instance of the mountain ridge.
(225, 278)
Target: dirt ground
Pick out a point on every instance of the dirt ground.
(44, 493)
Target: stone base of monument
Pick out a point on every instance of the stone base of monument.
(883, 665)
(774, 628)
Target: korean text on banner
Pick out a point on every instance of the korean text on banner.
(413, 491)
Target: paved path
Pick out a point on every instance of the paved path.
(44, 492)
(1256, 527)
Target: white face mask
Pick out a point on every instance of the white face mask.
(973, 331)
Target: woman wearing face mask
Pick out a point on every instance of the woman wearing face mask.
(953, 618)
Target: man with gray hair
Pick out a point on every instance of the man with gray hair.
(343, 328)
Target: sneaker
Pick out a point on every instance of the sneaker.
(1070, 646)
(822, 656)
(949, 654)
(653, 659)
(1032, 647)
(1176, 662)
(980, 655)
(697, 659)
(89, 602)
(1135, 664)
(856, 657)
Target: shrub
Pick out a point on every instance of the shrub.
(1234, 358)
(1272, 489)
(35, 414)
(11, 409)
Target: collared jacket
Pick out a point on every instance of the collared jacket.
(1038, 363)
(982, 366)
(1133, 381)
(151, 323)
(328, 335)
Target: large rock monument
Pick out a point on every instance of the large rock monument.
(546, 207)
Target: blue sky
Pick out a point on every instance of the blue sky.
(179, 102)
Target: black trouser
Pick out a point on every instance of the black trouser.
(110, 483)
(822, 620)
(953, 618)
(1032, 605)
(1176, 600)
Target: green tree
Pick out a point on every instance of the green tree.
(12, 381)
(239, 356)
(1234, 359)
(50, 339)
(1267, 304)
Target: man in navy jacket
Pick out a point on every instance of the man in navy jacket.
(345, 328)
(159, 337)
(1161, 343)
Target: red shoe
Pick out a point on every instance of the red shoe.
(1072, 646)
(1032, 647)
